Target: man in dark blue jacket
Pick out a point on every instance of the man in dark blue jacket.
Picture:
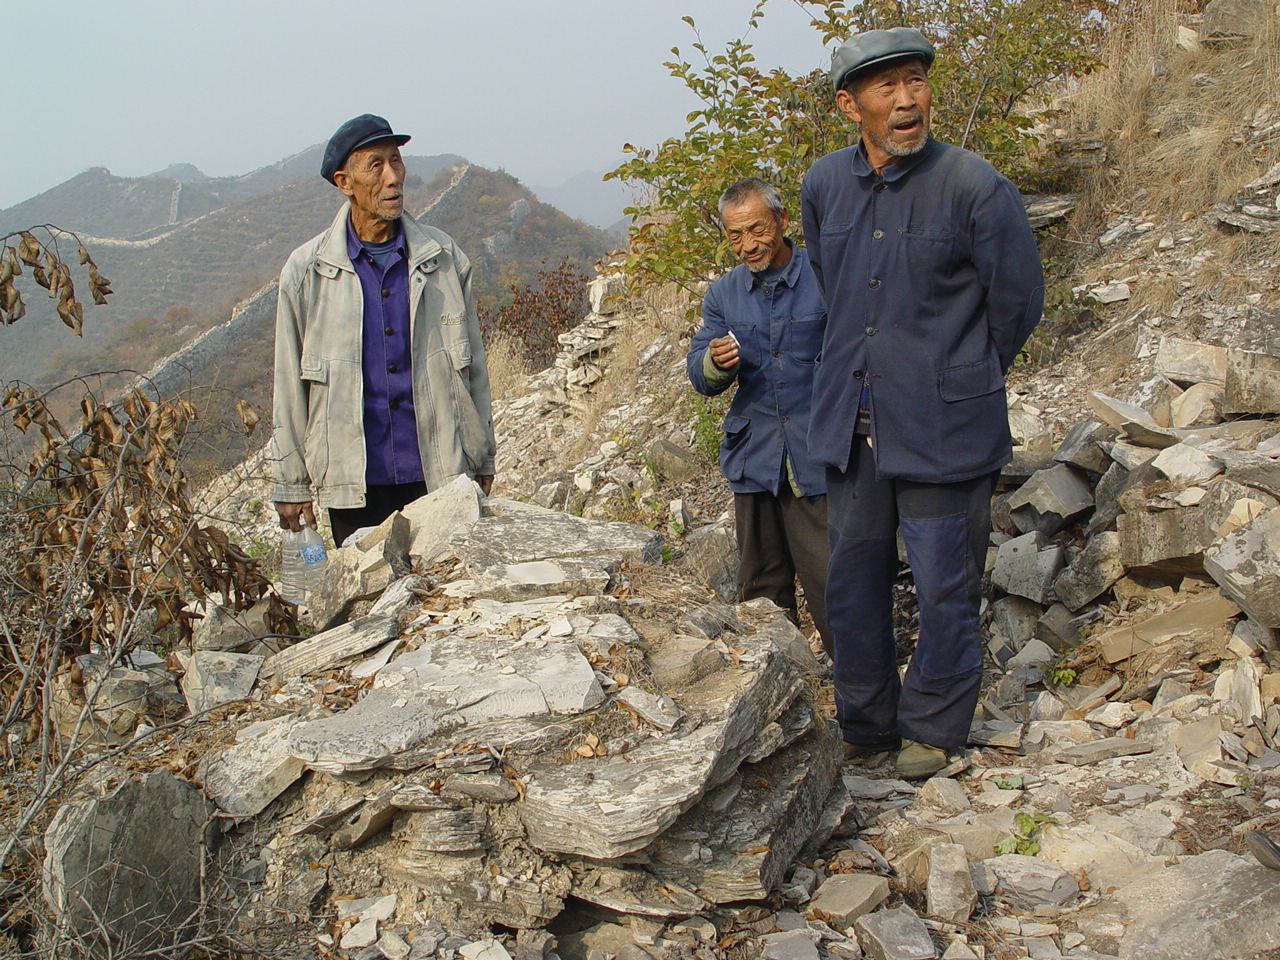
(933, 283)
(762, 326)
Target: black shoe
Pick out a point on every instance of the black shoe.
(1265, 850)
(864, 751)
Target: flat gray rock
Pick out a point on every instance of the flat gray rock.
(214, 678)
(1246, 564)
(497, 541)
(609, 806)
(844, 897)
(245, 778)
(449, 684)
(896, 934)
(1095, 751)
(127, 867)
(1031, 881)
(330, 647)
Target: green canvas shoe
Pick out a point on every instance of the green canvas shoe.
(916, 761)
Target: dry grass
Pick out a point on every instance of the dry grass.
(1174, 120)
(508, 368)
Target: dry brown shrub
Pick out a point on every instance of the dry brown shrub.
(508, 368)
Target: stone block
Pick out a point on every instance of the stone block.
(1246, 564)
(124, 871)
(673, 462)
(605, 293)
(495, 541)
(896, 934)
(1164, 542)
(245, 778)
(1092, 572)
(944, 794)
(1030, 882)
(1026, 569)
(1050, 500)
(360, 570)
(1198, 406)
(1014, 619)
(1253, 383)
(214, 678)
(435, 518)
(1185, 465)
(544, 578)
(329, 647)
(711, 557)
(1191, 362)
(1081, 447)
(1131, 420)
(1205, 612)
(1155, 395)
(950, 887)
(222, 628)
(1057, 629)
(1106, 498)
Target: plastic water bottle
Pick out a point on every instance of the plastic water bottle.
(302, 561)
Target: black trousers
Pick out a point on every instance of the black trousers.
(380, 502)
(780, 538)
(946, 528)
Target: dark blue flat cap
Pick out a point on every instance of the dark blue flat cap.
(875, 47)
(352, 135)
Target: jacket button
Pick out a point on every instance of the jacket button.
(388, 331)
(880, 187)
(857, 374)
(877, 234)
(777, 353)
(391, 368)
(386, 292)
(783, 419)
(874, 283)
(395, 404)
(871, 331)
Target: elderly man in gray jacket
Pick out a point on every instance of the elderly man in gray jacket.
(381, 388)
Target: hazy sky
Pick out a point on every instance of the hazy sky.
(542, 89)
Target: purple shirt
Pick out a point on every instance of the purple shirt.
(390, 429)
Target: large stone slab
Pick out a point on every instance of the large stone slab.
(1081, 447)
(426, 698)
(739, 840)
(1092, 571)
(1246, 564)
(1190, 362)
(1253, 383)
(544, 578)
(1213, 906)
(494, 541)
(711, 557)
(244, 779)
(330, 647)
(1050, 500)
(122, 872)
(1025, 568)
(606, 807)
(896, 934)
(222, 628)
(214, 678)
(437, 517)
(1204, 612)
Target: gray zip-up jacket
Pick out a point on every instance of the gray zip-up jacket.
(318, 420)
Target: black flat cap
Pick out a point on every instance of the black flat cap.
(875, 47)
(353, 135)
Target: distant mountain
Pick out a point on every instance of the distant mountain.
(588, 197)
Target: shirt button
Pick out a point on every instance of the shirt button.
(768, 292)
(877, 234)
(857, 374)
(386, 292)
(880, 187)
(871, 331)
(777, 353)
(388, 331)
(395, 404)
(874, 283)
(784, 419)
(391, 368)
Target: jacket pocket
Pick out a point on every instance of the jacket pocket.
(315, 452)
(965, 381)
(804, 335)
(472, 431)
(733, 449)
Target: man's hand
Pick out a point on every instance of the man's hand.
(724, 352)
(486, 482)
(290, 512)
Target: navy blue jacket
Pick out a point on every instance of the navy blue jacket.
(779, 337)
(933, 283)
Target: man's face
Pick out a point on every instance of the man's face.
(892, 104)
(755, 233)
(373, 178)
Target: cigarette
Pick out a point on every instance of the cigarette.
(734, 338)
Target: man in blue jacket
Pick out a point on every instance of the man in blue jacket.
(933, 283)
(762, 326)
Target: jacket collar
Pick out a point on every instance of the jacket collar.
(333, 244)
(894, 171)
(790, 274)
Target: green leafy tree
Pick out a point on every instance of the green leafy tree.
(996, 60)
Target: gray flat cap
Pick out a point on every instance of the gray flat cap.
(875, 47)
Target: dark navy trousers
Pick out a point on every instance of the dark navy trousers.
(946, 528)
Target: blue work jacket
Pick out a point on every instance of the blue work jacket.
(933, 283)
(779, 329)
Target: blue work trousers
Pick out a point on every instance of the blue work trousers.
(946, 528)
